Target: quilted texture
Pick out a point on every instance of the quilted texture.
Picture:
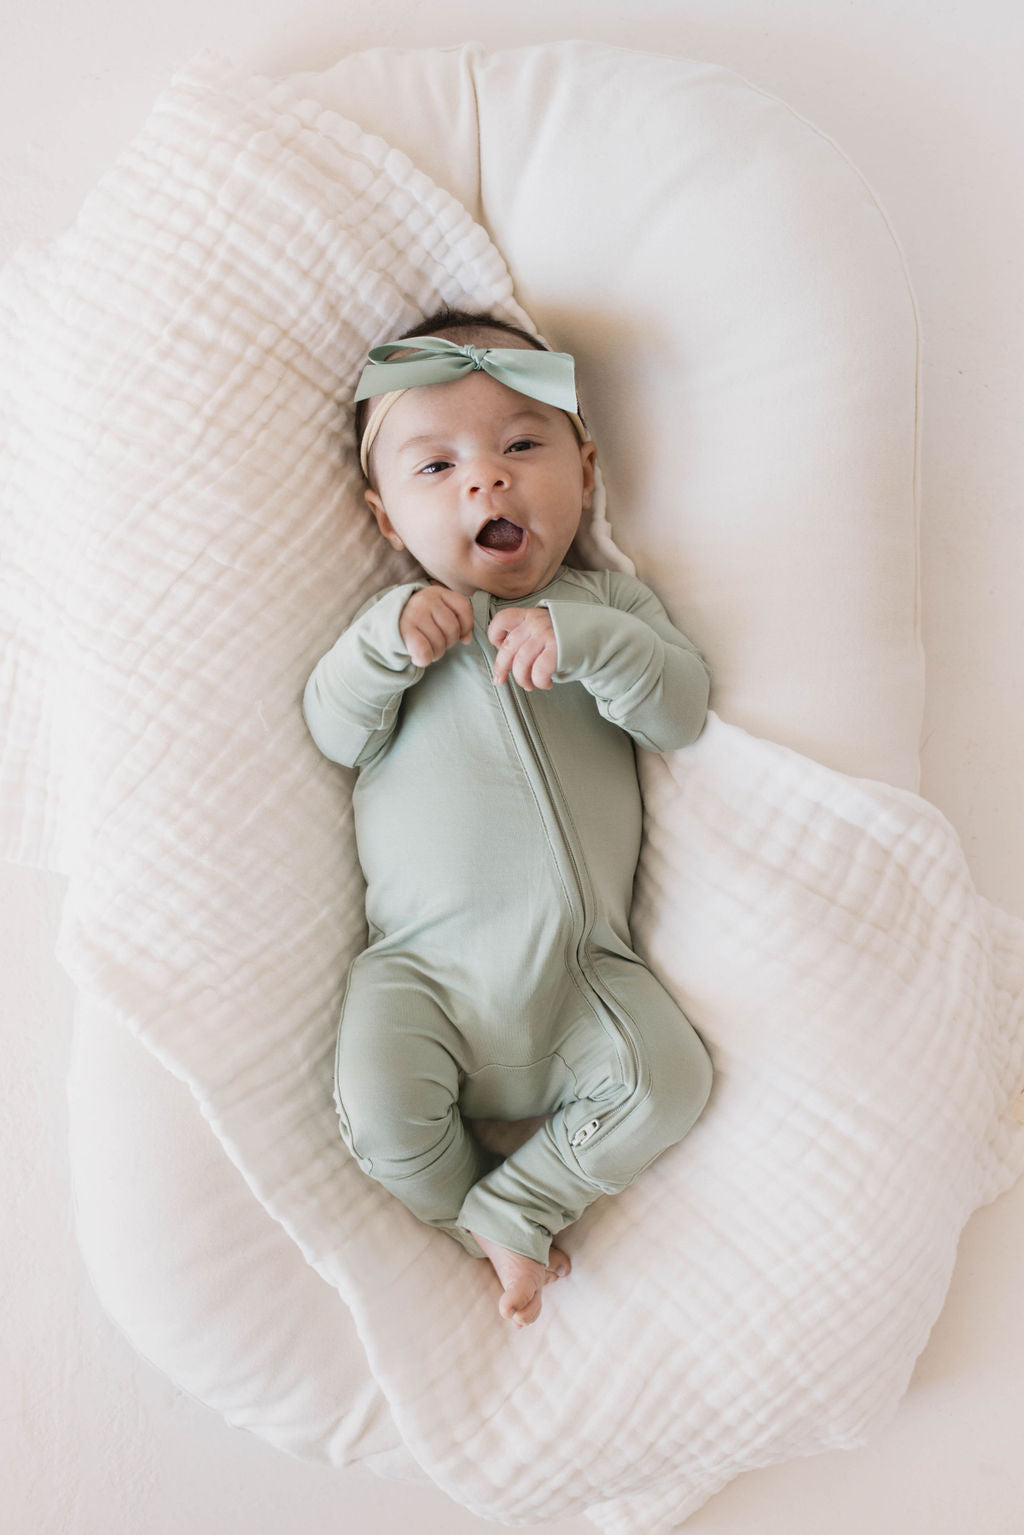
(183, 536)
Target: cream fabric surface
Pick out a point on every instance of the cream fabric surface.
(183, 537)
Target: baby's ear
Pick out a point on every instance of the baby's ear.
(376, 506)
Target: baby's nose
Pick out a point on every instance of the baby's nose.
(487, 474)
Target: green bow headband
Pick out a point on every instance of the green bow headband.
(545, 376)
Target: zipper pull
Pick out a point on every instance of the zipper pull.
(584, 1133)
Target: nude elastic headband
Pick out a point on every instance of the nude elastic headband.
(545, 376)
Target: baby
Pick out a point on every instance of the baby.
(492, 709)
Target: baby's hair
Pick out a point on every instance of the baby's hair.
(461, 326)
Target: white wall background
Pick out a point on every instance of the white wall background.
(925, 96)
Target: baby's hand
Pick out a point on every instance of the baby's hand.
(431, 622)
(526, 644)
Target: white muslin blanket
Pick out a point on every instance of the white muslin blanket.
(183, 536)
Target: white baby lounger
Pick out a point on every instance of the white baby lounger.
(188, 536)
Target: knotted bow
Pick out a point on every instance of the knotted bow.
(545, 376)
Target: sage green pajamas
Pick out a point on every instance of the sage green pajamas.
(498, 832)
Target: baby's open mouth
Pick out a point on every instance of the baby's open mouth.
(499, 533)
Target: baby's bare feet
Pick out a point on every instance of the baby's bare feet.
(522, 1279)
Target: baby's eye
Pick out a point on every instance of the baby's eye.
(520, 444)
(435, 466)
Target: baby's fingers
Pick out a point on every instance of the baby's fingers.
(506, 633)
(503, 624)
(444, 621)
(505, 659)
(527, 648)
(425, 632)
(452, 612)
(432, 621)
(528, 666)
(424, 643)
(463, 610)
(545, 666)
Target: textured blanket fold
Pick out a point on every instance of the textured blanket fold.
(183, 536)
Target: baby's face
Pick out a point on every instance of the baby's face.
(484, 486)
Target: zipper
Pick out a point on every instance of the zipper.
(519, 706)
(584, 1133)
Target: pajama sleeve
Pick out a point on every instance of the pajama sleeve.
(354, 692)
(645, 676)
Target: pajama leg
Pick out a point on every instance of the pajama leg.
(643, 1078)
(397, 1088)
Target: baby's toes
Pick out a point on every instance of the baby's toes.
(521, 1304)
(559, 1265)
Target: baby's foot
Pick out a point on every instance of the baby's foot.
(522, 1279)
